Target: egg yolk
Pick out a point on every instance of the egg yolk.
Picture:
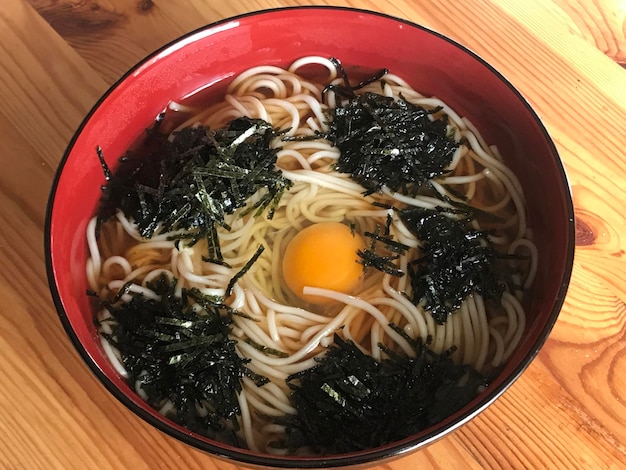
(323, 255)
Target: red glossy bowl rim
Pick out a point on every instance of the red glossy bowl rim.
(369, 456)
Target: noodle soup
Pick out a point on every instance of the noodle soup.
(322, 268)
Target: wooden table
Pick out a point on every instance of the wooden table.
(567, 410)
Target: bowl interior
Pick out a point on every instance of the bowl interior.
(208, 58)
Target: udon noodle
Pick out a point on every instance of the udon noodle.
(484, 336)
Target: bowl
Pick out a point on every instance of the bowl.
(207, 59)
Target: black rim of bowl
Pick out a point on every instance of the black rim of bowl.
(388, 451)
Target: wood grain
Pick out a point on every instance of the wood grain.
(567, 410)
(602, 23)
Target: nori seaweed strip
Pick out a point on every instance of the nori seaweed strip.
(349, 402)
(174, 322)
(122, 290)
(388, 222)
(152, 334)
(347, 90)
(258, 379)
(265, 349)
(317, 135)
(105, 168)
(243, 270)
(201, 340)
(214, 302)
(391, 244)
(382, 262)
(386, 264)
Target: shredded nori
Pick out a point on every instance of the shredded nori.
(246, 267)
(384, 262)
(389, 143)
(183, 355)
(346, 89)
(266, 350)
(455, 261)
(350, 402)
(191, 182)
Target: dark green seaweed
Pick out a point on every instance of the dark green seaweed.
(455, 261)
(390, 143)
(180, 354)
(244, 270)
(350, 402)
(193, 181)
(383, 259)
(266, 350)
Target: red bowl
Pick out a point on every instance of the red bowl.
(209, 57)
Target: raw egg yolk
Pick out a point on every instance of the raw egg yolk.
(323, 255)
